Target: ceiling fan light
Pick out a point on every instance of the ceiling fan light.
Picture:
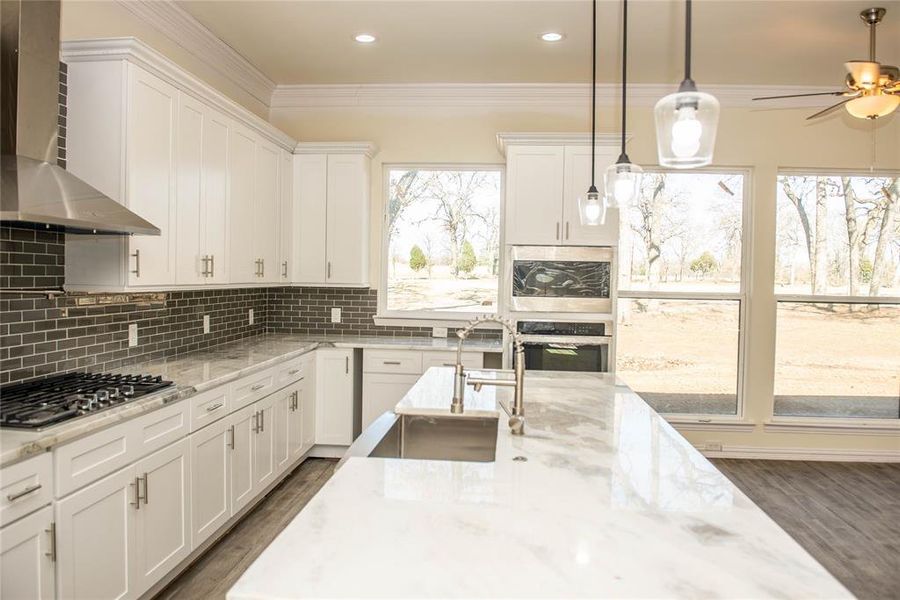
(872, 106)
(864, 73)
(623, 184)
(686, 123)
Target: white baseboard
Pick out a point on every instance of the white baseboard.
(327, 451)
(823, 454)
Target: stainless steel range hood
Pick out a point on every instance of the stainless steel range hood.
(35, 190)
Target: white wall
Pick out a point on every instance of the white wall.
(764, 140)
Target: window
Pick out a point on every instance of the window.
(837, 282)
(681, 291)
(442, 241)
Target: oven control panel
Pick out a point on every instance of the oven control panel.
(557, 328)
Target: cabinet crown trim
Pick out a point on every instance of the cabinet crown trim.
(131, 49)
(504, 140)
(367, 148)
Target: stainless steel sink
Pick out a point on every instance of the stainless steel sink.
(472, 439)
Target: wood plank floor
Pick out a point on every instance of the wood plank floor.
(213, 574)
(847, 515)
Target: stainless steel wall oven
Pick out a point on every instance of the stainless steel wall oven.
(561, 346)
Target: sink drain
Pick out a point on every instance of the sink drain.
(520, 459)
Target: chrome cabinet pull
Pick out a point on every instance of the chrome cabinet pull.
(52, 533)
(262, 267)
(137, 262)
(137, 493)
(449, 364)
(258, 386)
(284, 269)
(231, 443)
(205, 272)
(216, 406)
(328, 276)
(25, 492)
(146, 497)
(293, 371)
(391, 362)
(212, 265)
(256, 422)
(557, 230)
(567, 230)
(262, 420)
(347, 365)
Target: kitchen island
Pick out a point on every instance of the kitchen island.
(600, 497)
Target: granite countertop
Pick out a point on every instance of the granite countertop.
(206, 369)
(611, 502)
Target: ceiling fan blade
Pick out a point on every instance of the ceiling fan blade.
(828, 110)
(802, 95)
(863, 72)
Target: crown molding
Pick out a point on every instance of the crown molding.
(134, 51)
(367, 148)
(544, 96)
(182, 28)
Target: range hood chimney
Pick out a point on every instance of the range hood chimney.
(35, 191)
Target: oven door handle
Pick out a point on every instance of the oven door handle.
(546, 340)
(562, 346)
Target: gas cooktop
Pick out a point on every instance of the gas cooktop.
(46, 402)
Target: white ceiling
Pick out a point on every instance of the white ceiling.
(467, 41)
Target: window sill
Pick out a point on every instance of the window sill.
(878, 427)
(682, 423)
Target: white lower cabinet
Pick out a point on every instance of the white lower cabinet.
(382, 392)
(288, 427)
(95, 530)
(26, 558)
(334, 396)
(307, 393)
(210, 480)
(163, 525)
(240, 467)
(264, 443)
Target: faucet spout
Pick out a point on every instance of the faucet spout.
(517, 412)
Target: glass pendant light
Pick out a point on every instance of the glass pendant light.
(591, 207)
(623, 179)
(686, 120)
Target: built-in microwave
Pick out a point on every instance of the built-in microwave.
(561, 279)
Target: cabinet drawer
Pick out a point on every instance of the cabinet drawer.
(161, 427)
(392, 361)
(80, 462)
(250, 389)
(25, 487)
(208, 407)
(470, 360)
(291, 371)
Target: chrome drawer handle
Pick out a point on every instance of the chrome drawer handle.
(293, 371)
(214, 407)
(258, 386)
(391, 362)
(25, 492)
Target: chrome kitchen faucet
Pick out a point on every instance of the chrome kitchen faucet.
(517, 412)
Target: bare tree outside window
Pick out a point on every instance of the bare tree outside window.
(443, 229)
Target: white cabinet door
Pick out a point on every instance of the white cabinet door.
(265, 213)
(26, 562)
(163, 519)
(240, 463)
(347, 237)
(577, 182)
(95, 530)
(307, 393)
(241, 163)
(382, 392)
(295, 424)
(284, 403)
(264, 443)
(189, 190)
(286, 239)
(334, 396)
(215, 217)
(210, 480)
(310, 197)
(150, 172)
(534, 195)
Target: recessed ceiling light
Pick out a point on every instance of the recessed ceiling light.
(365, 38)
(552, 36)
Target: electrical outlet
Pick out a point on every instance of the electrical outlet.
(439, 332)
(335, 315)
(132, 335)
(250, 316)
(205, 323)
(714, 446)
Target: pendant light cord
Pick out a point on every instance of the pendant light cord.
(593, 88)
(624, 70)
(687, 40)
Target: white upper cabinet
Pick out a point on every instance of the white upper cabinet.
(534, 194)
(287, 237)
(209, 174)
(544, 182)
(577, 182)
(331, 194)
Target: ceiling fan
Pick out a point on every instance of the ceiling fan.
(873, 89)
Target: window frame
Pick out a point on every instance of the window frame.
(849, 425)
(433, 318)
(737, 421)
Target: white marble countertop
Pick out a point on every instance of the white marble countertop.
(203, 370)
(611, 502)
